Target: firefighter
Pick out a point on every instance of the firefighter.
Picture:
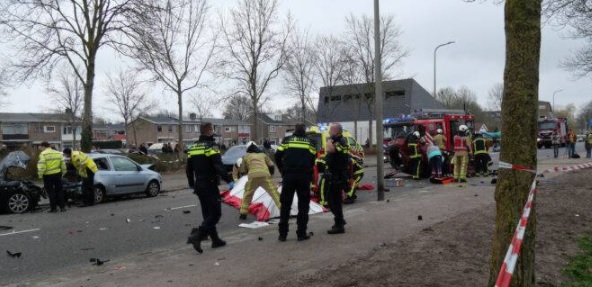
(337, 175)
(51, 167)
(462, 149)
(259, 169)
(356, 175)
(481, 153)
(86, 168)
(295, 159)
(440, 140)
(414, 154)
(321, 165)
(204, 166)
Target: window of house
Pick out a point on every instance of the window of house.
(272, 129)
(335, 98)
(347, 98)
(159, 128)
(228, 129)
(15, 129)
(171, 128)
(189, 128)
(369, 96)
(394, 94)
(326, 100)
(49, 129)
(38, 129)
(67, 130)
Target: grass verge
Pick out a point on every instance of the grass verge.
(579, 269)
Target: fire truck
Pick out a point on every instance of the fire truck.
(426, 122)
(549, 127)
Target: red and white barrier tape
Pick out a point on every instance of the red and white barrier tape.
(568, 168)
(515, 166)
(507, 269)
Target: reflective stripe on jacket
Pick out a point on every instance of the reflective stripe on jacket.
(50, 162)
(81, 162)
(413, 150)
(480, 146)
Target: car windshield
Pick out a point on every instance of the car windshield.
(546, 125)
(236, 151)
(398, 131)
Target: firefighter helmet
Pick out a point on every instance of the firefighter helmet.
(463, 128)
(416, 133)
(439, 131)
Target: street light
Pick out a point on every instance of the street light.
(435, 50)
(554, 99)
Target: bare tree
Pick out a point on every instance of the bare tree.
(256, 50)
(299, 69)
(4, 84)
(352, 76)
(360, 38)
(447, 96)
(203, 105)
(237, 108)
(496, 94)
(169, 41)
(48, 32)
(68, 96)
(568, 112)
(330, 66)
(519, 109)
(127, 99)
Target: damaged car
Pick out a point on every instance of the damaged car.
(17, 196)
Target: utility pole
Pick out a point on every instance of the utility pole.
(379, 98)
(435, 50)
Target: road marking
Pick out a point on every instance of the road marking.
(180, 207)
(17, 232)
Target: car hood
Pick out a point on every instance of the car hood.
(13, 159)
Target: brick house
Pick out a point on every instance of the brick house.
(30, 129)
(273, 127)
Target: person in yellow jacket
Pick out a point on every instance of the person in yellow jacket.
(86, 168)
(356, 175)
(51, 167)
(259, 169)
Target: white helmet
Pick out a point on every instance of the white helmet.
(239, 161)
(416, 133)
(250, 143)
(439, 131)
(463, 128)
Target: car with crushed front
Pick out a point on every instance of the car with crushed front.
(17, 195)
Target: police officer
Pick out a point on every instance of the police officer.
(86, 168)
(204, 165)
(259, 169)
(295, 159)
(337, 175)
(51, 167)
(414, 154)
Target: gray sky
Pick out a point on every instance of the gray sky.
(476, 60)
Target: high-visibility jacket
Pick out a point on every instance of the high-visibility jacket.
(356, 168)
(50, 162)
(440, 141)
(81, 162)
(296, 155)
(480, 146)
(413, 150)
(204, 162)
(589, 139)
(256, 165)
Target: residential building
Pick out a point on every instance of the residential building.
(545, 110)
(353, 105)
(30, 129)
(109, 132)
(273, 127)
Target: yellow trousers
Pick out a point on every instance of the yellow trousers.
(252, 184)
(460, 166)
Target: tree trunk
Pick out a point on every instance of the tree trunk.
(180, 125)
(370, 131)
(303, 108)
(125, 122)
(519, 126)
(86, 136)
(74, 128)
(356, 129)
(135, 134)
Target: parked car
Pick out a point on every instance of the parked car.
(17, 196)
(119, 176)
(230, 157)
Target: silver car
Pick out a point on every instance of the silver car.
(119, 175)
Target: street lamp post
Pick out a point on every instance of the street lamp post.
(435, 50)
(554, 99)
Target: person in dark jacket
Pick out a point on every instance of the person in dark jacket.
(295, 159)
(204, 165)
(337, 174)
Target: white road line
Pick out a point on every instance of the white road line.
(180, 207)
(17, 232)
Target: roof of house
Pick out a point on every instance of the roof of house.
(31, 117)
(117, 127)
(174, 121)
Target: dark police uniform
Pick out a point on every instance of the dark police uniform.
(204, 165)
(337, 175)
(295, 159)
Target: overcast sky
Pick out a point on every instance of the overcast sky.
(476, 60)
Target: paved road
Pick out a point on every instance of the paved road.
(52, 243)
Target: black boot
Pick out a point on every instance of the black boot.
(196, 237)
(336, 229)
(216, 241)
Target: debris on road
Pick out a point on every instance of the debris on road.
(260, 238)
(128, 220)
(98, 262)
(103, 228)
(419, 217)
(3, 227)
(14, 255)
(186, 211)
(158, 216)
(157, 227)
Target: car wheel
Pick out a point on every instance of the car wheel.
(153, 188)
(99, 194)
(18, 202)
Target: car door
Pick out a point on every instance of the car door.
(128, 177)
